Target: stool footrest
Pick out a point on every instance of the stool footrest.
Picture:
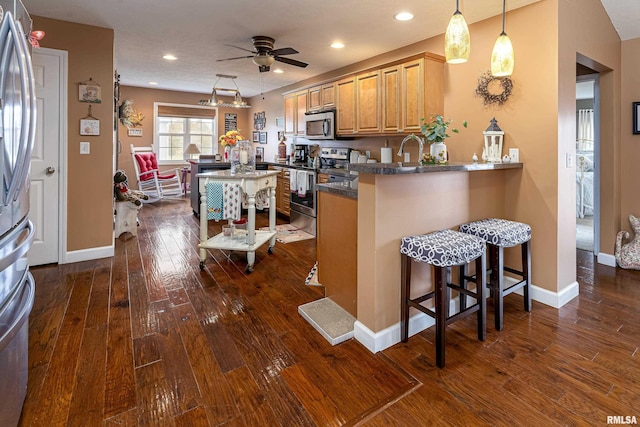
(519, 285)
(422, 308)
(513, 270)
(467, 311)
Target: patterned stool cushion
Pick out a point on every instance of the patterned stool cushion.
(443, 248)
(499, 232)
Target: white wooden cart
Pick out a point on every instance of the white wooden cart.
(250, 183)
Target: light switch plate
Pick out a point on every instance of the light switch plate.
(85, 148)
(569, 160)
(514, 154)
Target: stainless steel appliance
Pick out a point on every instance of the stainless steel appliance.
(300, 154)
(17, 133)
(303, 202)
(321, 125)
(335, 162)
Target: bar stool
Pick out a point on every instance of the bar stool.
(442, 249)
(500, 234)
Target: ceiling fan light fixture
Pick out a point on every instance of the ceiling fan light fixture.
(457, 41)
(502, 57)
(263, 60)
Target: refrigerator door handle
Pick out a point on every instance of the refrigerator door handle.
(22, 248)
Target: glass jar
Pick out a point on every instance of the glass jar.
(243, 157)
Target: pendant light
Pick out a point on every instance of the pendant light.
(457, 42)
(502, 59)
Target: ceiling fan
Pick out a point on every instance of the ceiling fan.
(264, 54)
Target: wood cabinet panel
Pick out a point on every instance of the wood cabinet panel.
(346, 105)
(412, 95)
(322, 178)
(338, 249)
(290, 114)
(301, 108)
(328, 96)
(390, 99)
(315, 98)
(368, 103)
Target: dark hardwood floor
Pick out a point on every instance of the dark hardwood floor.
(146, 338)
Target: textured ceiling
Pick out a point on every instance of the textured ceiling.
(198, 32)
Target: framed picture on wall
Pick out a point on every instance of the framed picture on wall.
(256, 137)
(259, 153)
(89, 92)
(263, 137)
(636, 118)
(90, 127)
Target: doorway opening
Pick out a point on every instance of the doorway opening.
(587, 158)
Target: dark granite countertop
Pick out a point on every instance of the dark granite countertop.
(343, 188)
(407, 168)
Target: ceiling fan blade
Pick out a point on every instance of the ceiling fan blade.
(283, 51)
(237, 57)
(291, 61)
(241, 48)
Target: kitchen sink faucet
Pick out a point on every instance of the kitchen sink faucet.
(409, 137)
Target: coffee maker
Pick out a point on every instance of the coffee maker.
(300, 154)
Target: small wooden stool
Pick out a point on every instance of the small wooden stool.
(500, 234)
(126, 218)
(442, 249)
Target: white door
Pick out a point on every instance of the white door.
(45, 168)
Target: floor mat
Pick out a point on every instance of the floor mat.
(287, 233)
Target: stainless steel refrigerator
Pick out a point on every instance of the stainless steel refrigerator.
(17, 132)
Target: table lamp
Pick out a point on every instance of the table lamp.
(191, 150)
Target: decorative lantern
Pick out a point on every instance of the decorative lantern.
(243, 157)
(493, 138)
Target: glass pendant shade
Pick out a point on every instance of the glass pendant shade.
(502, 59)
(457, 42)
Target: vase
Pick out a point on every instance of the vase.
(438, 151)
(243, 157)
(226, 155)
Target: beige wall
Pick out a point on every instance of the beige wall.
(629, 143)
(90, 177)
(143, 99)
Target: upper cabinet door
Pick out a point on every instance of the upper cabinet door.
(390, 99)
(315, 98)
(412, 95)
(368, 102)
(301, 108)
(328, 96)
(346, 106)
(290, 122)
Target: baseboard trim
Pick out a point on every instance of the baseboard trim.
(88, 254)
(378, 341)
(606, 259)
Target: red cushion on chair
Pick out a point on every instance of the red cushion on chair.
(148, 162)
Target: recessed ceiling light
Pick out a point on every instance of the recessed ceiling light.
(337, 45)
(404, 16)
(153, 83)
(170, 57)
(278, 71)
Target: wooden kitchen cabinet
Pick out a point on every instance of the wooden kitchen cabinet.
(368, 103)
(346, 106)
(295, 107)
(290, 113)
(412, 95)
(315, 98)
(390, 93)
(322, 178)
(283, 189)
(328, 96)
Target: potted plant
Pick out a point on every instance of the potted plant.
(435, 133)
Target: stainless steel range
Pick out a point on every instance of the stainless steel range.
(303, 201)
(335, 163)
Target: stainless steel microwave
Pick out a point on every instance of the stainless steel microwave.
(321, 125)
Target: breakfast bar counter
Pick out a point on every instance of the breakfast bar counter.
(404, 199)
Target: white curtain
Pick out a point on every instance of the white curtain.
(585, 130)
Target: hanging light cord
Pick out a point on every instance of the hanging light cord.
(457, 8)
(504, 12)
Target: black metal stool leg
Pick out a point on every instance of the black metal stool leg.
(405, 294)
(481, 289)
(442, 312)
(499, 289)
(463, 284)
(526, 271)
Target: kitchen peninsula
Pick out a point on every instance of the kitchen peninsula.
(392, 200)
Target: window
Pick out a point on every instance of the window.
(177, 126)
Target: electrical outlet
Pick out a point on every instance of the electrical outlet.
(85, 148)
(514, 154)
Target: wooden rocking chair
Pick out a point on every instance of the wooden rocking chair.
(154, 183)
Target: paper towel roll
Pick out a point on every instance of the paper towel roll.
(386, 156)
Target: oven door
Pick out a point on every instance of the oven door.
(303, 197)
